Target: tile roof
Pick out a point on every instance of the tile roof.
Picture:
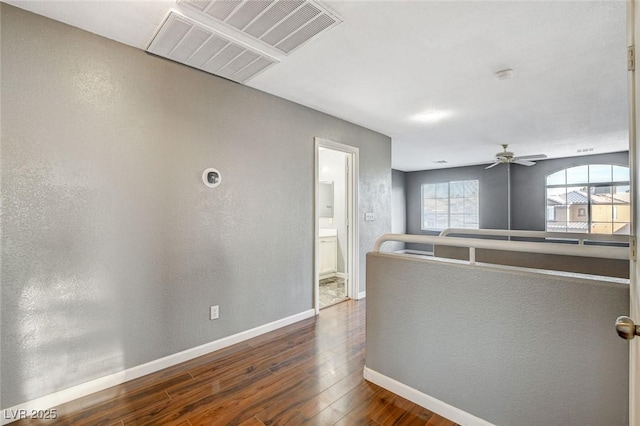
(581, 197)
(573, 226)
(577, 197)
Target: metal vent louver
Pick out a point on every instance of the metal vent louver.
(187, 42)
(282, 24)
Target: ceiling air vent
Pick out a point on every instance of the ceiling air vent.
(184, 41)
(282, 24)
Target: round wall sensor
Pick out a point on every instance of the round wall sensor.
(211, 177)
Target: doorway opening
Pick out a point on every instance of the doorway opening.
(336, 228)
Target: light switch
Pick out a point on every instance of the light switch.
(369, 216)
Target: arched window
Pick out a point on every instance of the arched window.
(589, 199)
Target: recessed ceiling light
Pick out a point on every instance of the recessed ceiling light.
(441, 161)
(432, 116)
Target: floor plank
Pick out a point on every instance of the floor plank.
(310, 372)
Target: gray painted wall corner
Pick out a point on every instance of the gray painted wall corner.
(398, 208)
(112, 247)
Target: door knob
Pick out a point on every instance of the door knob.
(626, 328)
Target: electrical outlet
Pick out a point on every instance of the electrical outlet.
(215, 312)
(369, 216)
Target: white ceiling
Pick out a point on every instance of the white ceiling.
(391, 60)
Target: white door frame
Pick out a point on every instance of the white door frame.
(633, 39)
(353, 233)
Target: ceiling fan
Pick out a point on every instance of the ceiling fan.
(508, 157)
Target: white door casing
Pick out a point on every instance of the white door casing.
(633, 36)
(353, 246)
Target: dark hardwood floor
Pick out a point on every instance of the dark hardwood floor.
(307, 373)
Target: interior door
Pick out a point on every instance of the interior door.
(349, 206)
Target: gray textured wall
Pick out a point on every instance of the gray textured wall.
(112, 248)
(512, 348)
(398, 208)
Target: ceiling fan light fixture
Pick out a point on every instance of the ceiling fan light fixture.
(508, 157)
(432, 116)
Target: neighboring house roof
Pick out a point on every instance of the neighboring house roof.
(577, 197)
(573, 226)
(581, 197)
(554, 200)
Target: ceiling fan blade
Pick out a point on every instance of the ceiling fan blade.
(531, 157)
(524, 162)
(492, 165)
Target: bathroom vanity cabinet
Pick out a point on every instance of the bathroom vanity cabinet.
(328, 256)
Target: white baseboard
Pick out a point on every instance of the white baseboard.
(327, 275)
(333, 275)
(362, 295)
(430, 403)
(61, 397)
